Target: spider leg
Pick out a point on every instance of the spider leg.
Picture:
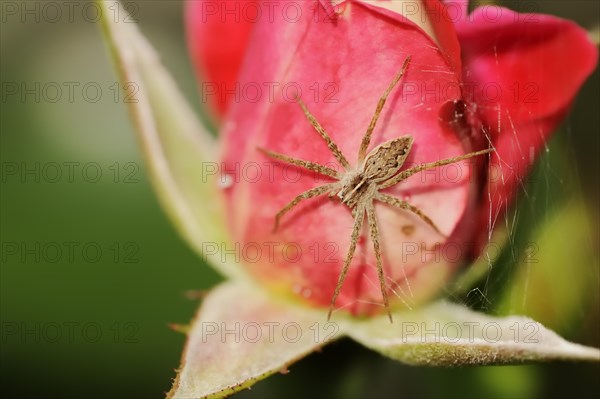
(359, 216)
(362, 152)
(409, 172)
(312, 166)
(375, 238)
(398, 203)
(313, 192)
(337, 153)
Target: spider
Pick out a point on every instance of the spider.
(358, 187)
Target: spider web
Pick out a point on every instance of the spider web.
(554, 184)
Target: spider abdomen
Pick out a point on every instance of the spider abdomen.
(387, 158)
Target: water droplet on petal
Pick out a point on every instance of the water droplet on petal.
(226, 181)
(297, 288)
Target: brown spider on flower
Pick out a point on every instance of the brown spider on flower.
(358, 187)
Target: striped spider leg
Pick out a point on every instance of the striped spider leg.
(358, 187)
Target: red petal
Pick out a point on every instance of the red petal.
(433, 17)
(456, 10)
(342, 67)
(217, 36)
(536, 62)
(442, 19)
(522, 71)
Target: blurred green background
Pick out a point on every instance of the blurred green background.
(92, 271)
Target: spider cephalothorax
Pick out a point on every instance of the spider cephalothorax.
(357, 187)
(380, 164)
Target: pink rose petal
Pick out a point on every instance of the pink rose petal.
(217, 41)
(350, 61)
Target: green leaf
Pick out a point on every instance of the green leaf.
(241, 335)
(179, 151)
(557, 282)
(445, 334)
(479, 268)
